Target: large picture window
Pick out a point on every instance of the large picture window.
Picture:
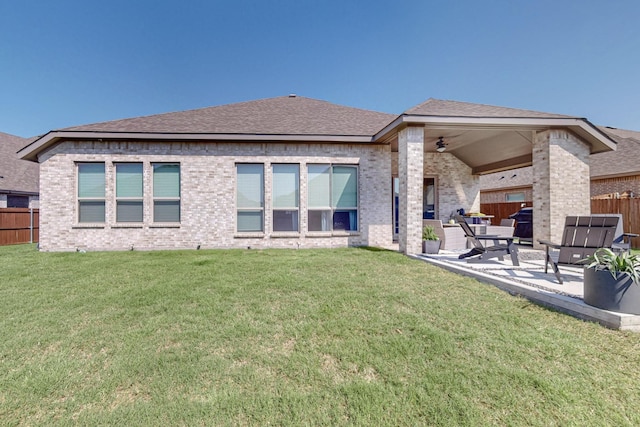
(250, 197)
(91, 193)
(166, 192)
(286, 195)
(333, 198)
(129, 192)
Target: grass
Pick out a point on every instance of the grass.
(308, 337)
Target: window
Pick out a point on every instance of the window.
(17, 201)
(128, 192)
(250, 197)
(429, 198)
(515, 197)
(333, 198)
(319, 190)
(91, 192)
(166, 192)
(286, 195)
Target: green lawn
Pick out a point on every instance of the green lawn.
(286, 337)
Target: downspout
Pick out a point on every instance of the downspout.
(30, 225)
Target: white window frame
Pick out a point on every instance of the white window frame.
(139, 199)
(166, 198)
(80, 200)
(254, 209)
(331, 207)
(295, 208)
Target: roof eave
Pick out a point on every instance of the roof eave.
(19, 192)
(598, 140)
(31, 151)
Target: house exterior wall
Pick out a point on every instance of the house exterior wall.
(629, 186)
(500, 196)
(496, 186)
(34, 201)
(456, 186)
(208, 194)
(626, 186)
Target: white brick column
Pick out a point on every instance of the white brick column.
(410, 172)
(560, 182)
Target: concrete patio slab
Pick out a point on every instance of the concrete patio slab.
(530, 281)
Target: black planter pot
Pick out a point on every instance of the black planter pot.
(604, 291)
(430, 246)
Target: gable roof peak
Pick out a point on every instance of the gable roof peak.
(448, 108)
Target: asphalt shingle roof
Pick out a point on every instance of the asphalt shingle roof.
(16, 175)
(626, 158)
(282, 118)
(439, 107)
(287, 115)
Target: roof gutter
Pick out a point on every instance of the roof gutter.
(31, 151)
(19, 192)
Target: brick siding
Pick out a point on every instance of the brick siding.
(456, 187)
(208, 211)
(560, 182)
(626, 184)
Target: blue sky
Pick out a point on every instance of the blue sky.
(65, 63)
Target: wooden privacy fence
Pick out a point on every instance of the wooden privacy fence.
(629, 208)
(500, 211)
(19, 225)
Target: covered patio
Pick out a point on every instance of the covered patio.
(531, 282)
(455, 142)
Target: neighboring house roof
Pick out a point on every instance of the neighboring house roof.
(624, 161)
(16, 175)
(287, 115)
(439, 107)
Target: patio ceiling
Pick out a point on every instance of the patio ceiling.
(484, 151)
(490, 145)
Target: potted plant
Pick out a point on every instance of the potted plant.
(430, 240)
(612, 281)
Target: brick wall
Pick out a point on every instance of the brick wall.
(456, 187)
(624, 184)
(500, 196)
(34, 201)
(208, 211)
(560, 182)
(410, 174)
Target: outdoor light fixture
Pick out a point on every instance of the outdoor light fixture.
(440, 145)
